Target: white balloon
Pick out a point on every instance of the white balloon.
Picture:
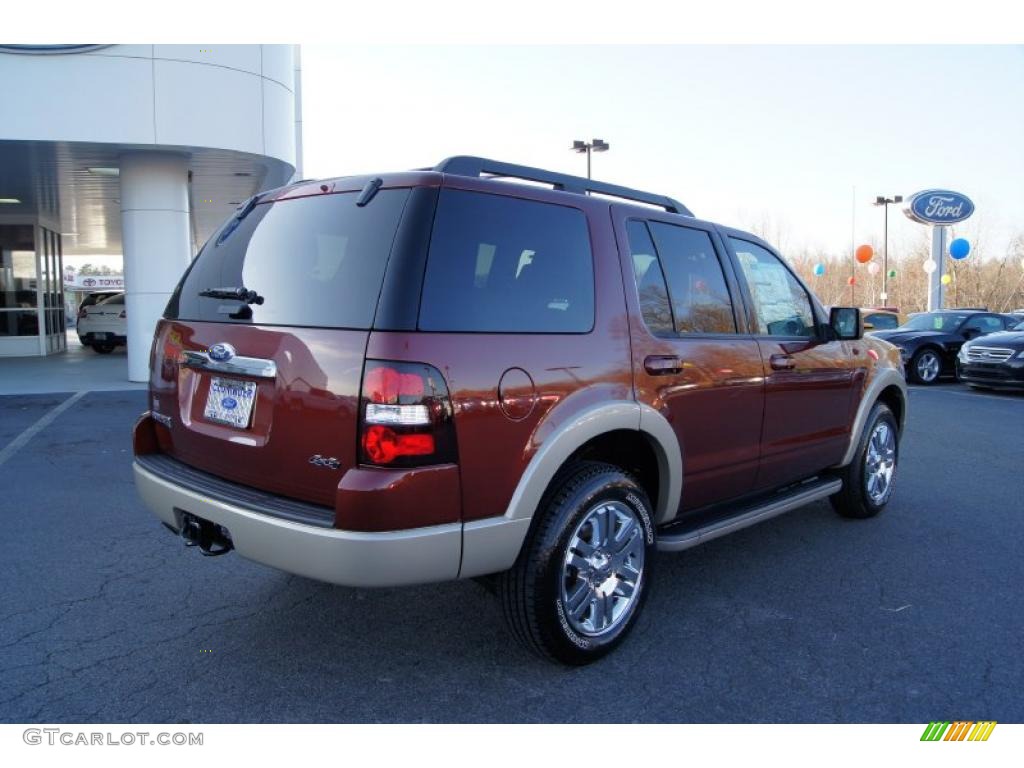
(873, 268)
(930, 266)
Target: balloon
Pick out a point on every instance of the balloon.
(819, 269)
(873, 268)
(892, 273)
(851, 280)
(959, 248)
(864, 253)
(946, 279)
(929, 266)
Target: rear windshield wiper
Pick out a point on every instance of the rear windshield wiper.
(238, 294)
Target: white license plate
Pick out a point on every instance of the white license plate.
(230, 401)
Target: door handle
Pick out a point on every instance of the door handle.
(662, 365)
(782, 362)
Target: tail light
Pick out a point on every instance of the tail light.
(81, 312)
(405, 416)
(122, 315)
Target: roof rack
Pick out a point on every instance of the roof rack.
(465, 165)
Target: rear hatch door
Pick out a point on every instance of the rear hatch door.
(262, 387)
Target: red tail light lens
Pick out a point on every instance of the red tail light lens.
(383, 445)
(405, 416)
(81, 312)
(122, 315)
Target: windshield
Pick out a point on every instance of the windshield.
(1019, 326)
(946, 322)
(313, 261)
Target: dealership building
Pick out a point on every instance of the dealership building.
(140, 150)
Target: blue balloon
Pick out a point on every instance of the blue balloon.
(819, 269)
(959, 248)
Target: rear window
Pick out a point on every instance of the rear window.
(316, 261)
(504, 265)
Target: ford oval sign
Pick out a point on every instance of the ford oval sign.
(221, 353)
(938, 206)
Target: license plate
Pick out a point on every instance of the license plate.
(101, 336)
(230, 401)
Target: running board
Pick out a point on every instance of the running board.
(685, 537)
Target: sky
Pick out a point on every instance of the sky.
(803, 137)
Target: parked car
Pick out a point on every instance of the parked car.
(878, 319)
(996, 361)
(89, 300)
(438, 374)
(929, 341)
(103, 325)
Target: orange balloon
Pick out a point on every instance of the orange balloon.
(864, 253)
(851, 280)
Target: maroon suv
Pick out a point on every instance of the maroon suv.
(444, 374)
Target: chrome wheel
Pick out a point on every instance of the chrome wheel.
(603, 569)
(927, 366)
(880, 462)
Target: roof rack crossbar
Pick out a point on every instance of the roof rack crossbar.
(465, 165)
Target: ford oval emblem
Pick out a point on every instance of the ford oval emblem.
(221, 353)
(228, 403)
(938, 206)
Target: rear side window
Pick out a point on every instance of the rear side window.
(679, 280)
(650, 281)
(316, 261)
(696, 284)
(504, 265)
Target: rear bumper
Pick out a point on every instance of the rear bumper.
(351, 558)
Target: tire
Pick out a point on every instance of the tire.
(104, 347)
(925, 366)
(869, 478)
(553, 598)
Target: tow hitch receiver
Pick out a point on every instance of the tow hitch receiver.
(212, 539)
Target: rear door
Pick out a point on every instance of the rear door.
(252, 391)
(692, 358)
(812, 385)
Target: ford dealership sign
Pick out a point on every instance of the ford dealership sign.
(938, 206)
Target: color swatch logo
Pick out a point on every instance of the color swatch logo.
(961, 730)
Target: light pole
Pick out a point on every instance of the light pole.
(594, 145)
(885, 202)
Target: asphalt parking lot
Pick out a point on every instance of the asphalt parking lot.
(915, 616)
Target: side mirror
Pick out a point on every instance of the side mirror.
(971, 333)
(845, 323)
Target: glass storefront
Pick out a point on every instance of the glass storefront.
(31, 291)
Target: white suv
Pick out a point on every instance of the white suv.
(103, 326)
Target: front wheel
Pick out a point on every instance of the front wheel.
(925, 366)
(584, 573)
(868, 479)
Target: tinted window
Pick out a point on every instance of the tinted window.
(316, 261)
(984, 324)
(117, 298)
(501, 264)
(696, 285)
(882, 320)
(946, 322)
(781, 304)
(650, 282)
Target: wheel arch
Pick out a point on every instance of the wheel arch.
(492, 544)
(887, 386)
